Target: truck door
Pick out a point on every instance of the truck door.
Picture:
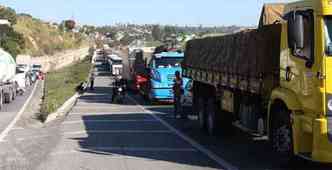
(300, 67)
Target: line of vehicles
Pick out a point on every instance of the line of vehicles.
(275, 80)
(112, 60)
(14, 79)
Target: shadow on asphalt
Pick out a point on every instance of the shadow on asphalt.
(144, 146)
(239, 149)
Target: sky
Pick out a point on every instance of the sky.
(174, 12)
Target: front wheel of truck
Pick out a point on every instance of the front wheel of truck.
(281, 132)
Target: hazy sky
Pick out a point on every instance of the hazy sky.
(180, 12)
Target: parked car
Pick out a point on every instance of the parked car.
(22, 79)
(36, 67)
(28, 71)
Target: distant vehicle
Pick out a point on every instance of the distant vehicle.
(22, 79)
(36, 67)
(115, 63)
(24, 67)
(7, 74)
(161, 73)
(137, 69)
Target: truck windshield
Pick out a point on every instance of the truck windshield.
(328, 35)
(168, 62)
(118, 62)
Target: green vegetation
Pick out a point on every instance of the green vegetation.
(10, 40)
(32, 36)
(45, 38)
(60, 85)
(153, 43)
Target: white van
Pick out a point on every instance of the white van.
(116, 66)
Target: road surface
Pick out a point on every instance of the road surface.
(98, 135)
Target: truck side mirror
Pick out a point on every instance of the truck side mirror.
(296, 32)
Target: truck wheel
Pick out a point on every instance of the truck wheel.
(1, 101)
(201, 114)
(281, 132)
(8, 97)
(211, 118)
(14, 94)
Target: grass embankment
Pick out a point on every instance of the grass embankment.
(60, 86)
(45, 39)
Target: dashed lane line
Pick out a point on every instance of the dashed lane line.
(107, 113)
(116, 131)
(128, 149)
(70, 133)
(106, 121)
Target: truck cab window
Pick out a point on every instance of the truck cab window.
(328, 35)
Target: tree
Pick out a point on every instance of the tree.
(12, 42)
(9, 14)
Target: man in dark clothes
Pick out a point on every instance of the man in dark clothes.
(177, 90)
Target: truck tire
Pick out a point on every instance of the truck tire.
(8, 97)
(201, 114)
(1, 100)
(14, 94)
(211, 117)
(281, 132)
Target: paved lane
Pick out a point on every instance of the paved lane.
(8, 113)
(100, 135)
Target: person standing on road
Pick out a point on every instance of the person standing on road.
(177, 91)
(92, 80)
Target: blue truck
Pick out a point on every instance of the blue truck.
(161, 69)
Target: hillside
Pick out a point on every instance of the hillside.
(28, 35)
(43, 38)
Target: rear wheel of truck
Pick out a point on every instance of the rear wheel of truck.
(201, 114)
(281, 132)
(211, 117)
(8, 97)
(1, 100)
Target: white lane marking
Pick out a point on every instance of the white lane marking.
(93, 131)
(105, 121)
(32, 137)
(17, 128)
(109, 106)
(133, 149)
(5, 132)
(116, 131)
(106, 113)
(211, 155)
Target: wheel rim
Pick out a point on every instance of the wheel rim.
(282, 139)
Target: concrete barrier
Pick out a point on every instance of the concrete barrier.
(57, 61)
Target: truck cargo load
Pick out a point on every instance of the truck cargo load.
(248, 60)
(271, 13)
